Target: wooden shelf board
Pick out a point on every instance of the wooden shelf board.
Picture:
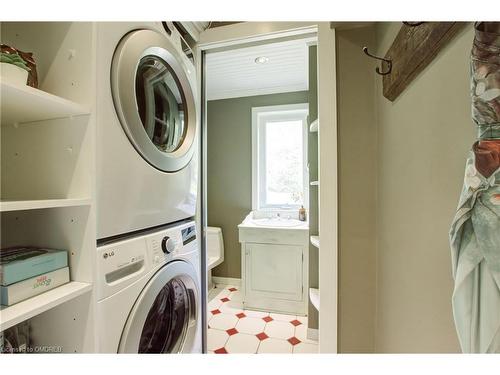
(12, 315)
(20, 205)
(413, 50)
(22, 104)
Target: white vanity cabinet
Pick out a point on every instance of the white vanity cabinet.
(275, 268)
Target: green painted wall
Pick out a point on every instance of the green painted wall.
(229, 164)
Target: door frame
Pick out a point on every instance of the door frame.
(248, 33)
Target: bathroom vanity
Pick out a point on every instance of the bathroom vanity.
(275, 263)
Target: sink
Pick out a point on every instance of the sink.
(264, 221)
(277, 222)
(258, 228)
(275, 262)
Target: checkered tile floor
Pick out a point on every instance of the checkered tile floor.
(234, 330)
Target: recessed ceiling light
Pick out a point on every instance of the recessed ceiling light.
(261, 60)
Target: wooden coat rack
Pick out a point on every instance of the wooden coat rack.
(415, 46)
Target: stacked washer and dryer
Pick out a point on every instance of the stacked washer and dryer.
(148, 267)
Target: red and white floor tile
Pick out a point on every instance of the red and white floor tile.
(234, 330)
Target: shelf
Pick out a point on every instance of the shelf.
(21, 104)
(20, 205)
(12, 315)
(314, 183)
(313, 128)
(314, 297)
(315, 241)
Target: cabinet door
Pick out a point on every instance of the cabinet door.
(274, 271)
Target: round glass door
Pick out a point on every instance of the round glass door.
(167, 321)
(160, 103)
(164, 316)
(154, 99)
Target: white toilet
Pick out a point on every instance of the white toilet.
(215, 251)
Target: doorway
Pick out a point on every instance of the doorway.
(223, 47)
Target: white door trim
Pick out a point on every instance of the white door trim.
(250, 32)
(328, 195)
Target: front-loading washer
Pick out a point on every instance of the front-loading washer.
(147, 125)
(148, 291)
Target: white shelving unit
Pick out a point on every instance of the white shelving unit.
(21, 205)
(22, 104)
(12, 315)
(314, 297)
(315, 241)
(313, 128)
(48, 169)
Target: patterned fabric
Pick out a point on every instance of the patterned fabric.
(485, 82)
(475, 232)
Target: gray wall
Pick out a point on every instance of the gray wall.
(423, 142)
(401, 167)
(229, 164)
(357, 143)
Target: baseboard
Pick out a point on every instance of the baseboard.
(226, 281)
(313, 334)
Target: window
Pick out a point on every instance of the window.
(279, 157)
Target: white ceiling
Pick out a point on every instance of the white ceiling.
(234, 73)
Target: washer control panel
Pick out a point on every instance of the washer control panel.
(171, 242)
(122, 263)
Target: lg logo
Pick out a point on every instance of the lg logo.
(110, 254)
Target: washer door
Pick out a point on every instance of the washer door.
(164, 317)
(154, 99)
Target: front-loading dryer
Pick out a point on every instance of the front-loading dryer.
(147, 125)
(148, 291)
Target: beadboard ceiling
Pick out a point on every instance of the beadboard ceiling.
(234, 73)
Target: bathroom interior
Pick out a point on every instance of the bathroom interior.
(295, 137)
(262, 197)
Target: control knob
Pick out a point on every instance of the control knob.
(167, 245)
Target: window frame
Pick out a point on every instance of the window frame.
(260, 116)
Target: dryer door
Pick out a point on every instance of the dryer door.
(164, 317)
(154, 99)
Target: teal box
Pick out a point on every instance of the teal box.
(21, 263)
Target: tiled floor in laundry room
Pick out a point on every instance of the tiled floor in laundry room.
(234, 330)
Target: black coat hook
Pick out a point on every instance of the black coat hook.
(387, 61)
(412, 24)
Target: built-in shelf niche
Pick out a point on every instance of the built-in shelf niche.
(47, 159)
